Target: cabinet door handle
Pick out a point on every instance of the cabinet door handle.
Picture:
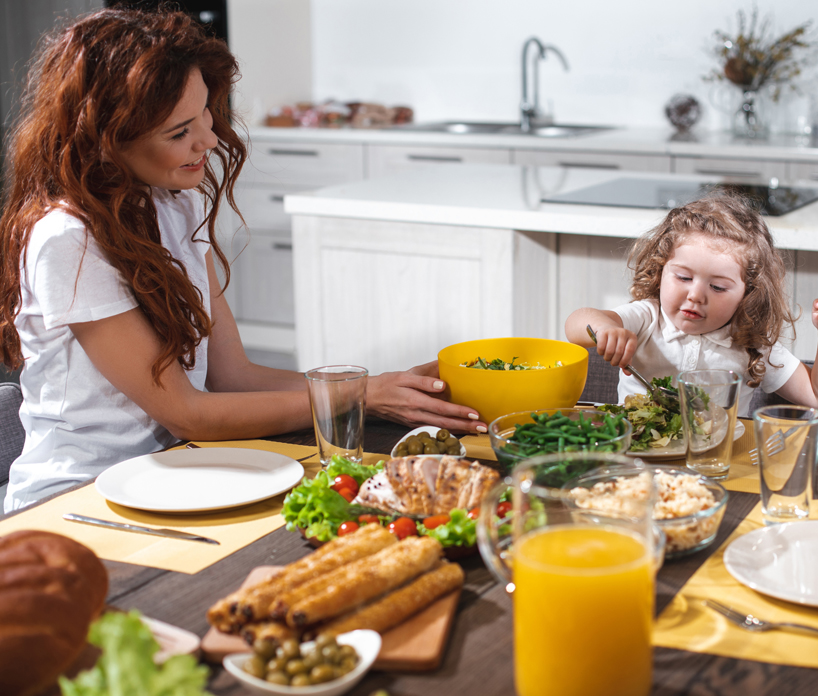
(433, 158)
(282, 246)
(275, 198)
(295, 153)
(588, 165)
(727, 172)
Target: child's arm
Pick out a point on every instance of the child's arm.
(802, 387)
(614, 342)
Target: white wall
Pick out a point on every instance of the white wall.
(461, 58)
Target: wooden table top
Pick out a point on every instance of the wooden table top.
(478, 659)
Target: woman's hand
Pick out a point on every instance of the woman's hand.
(416, 398)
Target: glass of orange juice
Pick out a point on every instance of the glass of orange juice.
(581, 579)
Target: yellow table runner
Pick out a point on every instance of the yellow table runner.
(233, 529)
(686, 624)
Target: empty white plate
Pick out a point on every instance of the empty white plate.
(780, 561)
(195, 480)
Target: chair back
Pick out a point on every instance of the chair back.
(12, 434)
(600, 388)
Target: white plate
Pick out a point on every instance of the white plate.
(194, 480)
(678, 448)
(780, 561)
(432, 430)
(172, 639)
(366, 643)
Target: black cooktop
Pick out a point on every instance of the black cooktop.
(636, 192)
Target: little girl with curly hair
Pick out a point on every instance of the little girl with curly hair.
(708, 292)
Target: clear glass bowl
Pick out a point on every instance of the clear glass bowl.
(509, 452)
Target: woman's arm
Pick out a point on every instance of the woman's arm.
(802, 387)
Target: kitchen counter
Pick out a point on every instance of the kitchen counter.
(390, 270)
(508, 197)
(656, 141)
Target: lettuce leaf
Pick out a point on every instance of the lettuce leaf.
(460, 530)
(317, 509)
(126, 666)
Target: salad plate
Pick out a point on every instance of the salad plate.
(677, 448)
(780, 561)
(196, 480)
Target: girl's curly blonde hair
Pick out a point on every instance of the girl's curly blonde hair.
(731, 221)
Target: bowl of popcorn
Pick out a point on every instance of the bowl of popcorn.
(689, 507)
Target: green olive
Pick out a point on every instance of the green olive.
(277, 664)
(402, 451)
(442, 435)
(301, 680)
(256, 667)
(415, 447)
(347, 651)
(265, 649)
(325, 639)
(348, 664)
(330, 653)
(295, 666)
(291, 648)
(322, 673)
(312, 658)
(452, 441)
(277, 677)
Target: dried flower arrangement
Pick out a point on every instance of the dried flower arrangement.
(752, 60)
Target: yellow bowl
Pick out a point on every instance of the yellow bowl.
(494, 393)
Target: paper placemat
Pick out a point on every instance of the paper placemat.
(234, 528)
(686, 624)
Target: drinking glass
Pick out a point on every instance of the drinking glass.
(338, 403)
(709, 401)
(786, 439)
(581, 579)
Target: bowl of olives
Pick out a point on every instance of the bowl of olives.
(327, 666)
(428, 440)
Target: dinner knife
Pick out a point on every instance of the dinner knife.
(163, 532)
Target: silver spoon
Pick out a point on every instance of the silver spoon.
(661, 395)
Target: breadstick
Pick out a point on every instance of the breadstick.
(273, 631)
(365, 579)
(254, 603)
(397, 606)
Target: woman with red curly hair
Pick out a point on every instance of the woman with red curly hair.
(110, 298)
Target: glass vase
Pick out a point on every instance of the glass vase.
(748, 122)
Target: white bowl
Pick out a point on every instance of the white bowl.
(432, 430)
(366, 643)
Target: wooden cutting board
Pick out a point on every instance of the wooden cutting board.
(415, 645)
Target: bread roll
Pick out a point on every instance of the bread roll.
(51, 589)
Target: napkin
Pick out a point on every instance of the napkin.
(686, 624)
(233, 528)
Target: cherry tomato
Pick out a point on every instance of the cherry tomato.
(345, 481)
(474, 513)
(368, 519)
(503, 509)
(347, 493)
(435, 521)
(403, 527)
(347, 528)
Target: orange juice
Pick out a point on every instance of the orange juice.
(583, 611)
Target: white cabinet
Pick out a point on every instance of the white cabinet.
(741, 169)
(593, 160)
(389, 295)
(385, 159)
(261, 290)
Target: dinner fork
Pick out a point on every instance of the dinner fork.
(775, 444)
(752, 623)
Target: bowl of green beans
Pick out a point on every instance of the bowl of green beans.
(518, 436)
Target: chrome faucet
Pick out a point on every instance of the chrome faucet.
(529, 108)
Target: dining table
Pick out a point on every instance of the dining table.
(478, 657)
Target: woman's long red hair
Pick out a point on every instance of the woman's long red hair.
(103, 82)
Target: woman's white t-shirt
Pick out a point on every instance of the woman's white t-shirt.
(665, 350)
(77, 423)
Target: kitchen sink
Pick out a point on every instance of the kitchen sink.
(556, 130)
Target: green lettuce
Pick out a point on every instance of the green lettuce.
(126, 666)
(315, 508)
(460, 530)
